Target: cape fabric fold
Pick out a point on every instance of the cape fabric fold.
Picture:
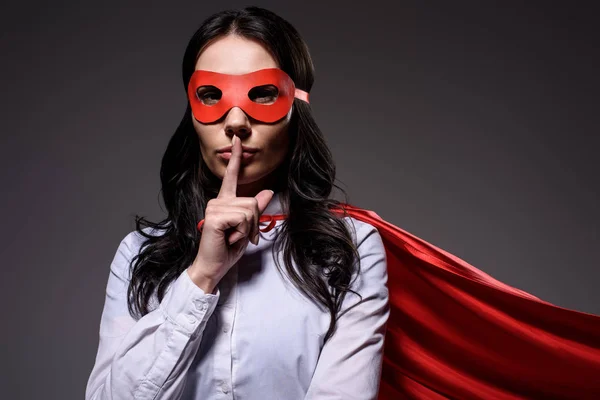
(455, 332)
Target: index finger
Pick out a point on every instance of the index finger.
(229, 183)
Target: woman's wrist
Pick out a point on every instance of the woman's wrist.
(204, 283)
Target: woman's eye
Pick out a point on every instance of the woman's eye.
(208, 95)
(265, 94)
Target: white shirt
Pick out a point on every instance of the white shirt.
(256, 338)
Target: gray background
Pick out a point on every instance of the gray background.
(473, 125)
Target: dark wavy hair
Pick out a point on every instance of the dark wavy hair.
(313, 236)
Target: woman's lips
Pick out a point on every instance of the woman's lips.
(245, 155)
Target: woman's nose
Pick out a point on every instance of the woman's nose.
(237, 122)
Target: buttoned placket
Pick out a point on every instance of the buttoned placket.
(223, 341)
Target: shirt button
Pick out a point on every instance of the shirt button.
(192, 320)
(224, 388)
(225, 328)
(200, 305)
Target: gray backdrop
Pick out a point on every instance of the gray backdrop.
(473, 125)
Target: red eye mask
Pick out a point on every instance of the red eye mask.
(212, 94)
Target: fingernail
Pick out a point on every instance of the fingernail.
(233, 140)
(271, 191)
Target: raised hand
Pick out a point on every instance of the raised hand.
(230, 222)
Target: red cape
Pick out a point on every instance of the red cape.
(455, 332)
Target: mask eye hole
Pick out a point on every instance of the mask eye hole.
(265, 94)
(209, 95)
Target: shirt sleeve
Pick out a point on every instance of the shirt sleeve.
(147, 358)
(349, 366)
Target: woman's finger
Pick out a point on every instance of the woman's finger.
(229, 183)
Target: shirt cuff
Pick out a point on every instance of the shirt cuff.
(187, 305)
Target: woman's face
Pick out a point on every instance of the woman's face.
(236, 55)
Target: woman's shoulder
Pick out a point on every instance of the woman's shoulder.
(363, 233)
(129, 247)
(372, 278)
(134, 239)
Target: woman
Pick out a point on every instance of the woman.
(207, 311)
(195, 311)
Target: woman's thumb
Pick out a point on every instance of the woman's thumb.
(264, 198)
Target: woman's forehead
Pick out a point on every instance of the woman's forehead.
(235, 55)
